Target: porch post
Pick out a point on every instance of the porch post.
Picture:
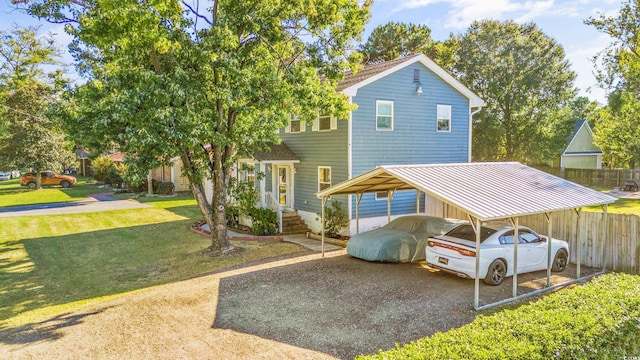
(263, 200)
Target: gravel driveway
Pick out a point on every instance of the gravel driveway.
(304, 307)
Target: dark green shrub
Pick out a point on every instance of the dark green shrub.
(335, 218)
(598, 320)
(264, 221)
(232, 214)
(165, 188)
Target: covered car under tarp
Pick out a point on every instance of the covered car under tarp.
(402, 240)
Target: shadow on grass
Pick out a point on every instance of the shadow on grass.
(45, 330)
(63, 269)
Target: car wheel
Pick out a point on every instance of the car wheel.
(65, 184)
(496, 273)
(32, 185)
(560, 261)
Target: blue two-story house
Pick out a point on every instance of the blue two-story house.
(409, 111)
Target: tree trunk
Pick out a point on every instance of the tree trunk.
(38, 179)
(219, 238)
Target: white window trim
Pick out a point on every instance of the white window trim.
(392, 114)
(450, 117)
(333, 124)
(381, 198)
(303, 125)
(330, 176)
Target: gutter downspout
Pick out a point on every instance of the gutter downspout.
(471, 113)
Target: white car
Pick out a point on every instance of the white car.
(5, 175)
(455, 252)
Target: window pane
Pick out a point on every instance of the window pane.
(324, 122)
(295, 126)
(443, 125)
(384, 122)
(384, 109)
(444, 112)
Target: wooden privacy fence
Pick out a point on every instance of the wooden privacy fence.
(609, 178)
(621, 239)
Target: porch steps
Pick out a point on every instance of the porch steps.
(292, 223)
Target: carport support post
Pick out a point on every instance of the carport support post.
(516, 239)
(418, 193)
(324, 203)
(578, 255)
(549, 237)
(476, 297)
(358, 198)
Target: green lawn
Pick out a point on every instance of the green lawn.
(50, 265)
(11, 193)
(622, 206)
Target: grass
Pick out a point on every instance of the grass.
(622, 206)
(51, 265)
(11, 193)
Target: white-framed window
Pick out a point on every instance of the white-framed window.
(325, 122)
(295, 125)
(324, 177)
(443, 120)
(248, 172)
(384, 115)
(382, 195)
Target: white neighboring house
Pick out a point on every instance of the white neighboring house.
(582, 153)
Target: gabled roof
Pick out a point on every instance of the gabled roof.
(277, 152)
(578, 127)
(487, 191)
(371, 73)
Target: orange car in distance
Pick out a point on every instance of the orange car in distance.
(48, 178)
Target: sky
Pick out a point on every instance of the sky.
(562, 20)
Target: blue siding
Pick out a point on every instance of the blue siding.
(318, 148)
(414, 139)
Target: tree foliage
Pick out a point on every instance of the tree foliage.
(524, 77)
(618, 71)
(31, 138)
(167, 79)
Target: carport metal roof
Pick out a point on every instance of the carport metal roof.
(486, 191)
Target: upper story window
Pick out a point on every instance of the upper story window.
(324, 177)
(444, 118)
(294, 123)
(384, 115)
(324, 122)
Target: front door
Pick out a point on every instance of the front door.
(283, 186)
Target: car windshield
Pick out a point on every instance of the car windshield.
(466, 232)
(407, 224)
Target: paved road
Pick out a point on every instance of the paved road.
(95, 203)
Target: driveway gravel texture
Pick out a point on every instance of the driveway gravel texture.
(299, 307)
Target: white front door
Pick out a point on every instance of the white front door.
(283, 185)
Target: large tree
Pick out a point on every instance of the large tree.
(31, 137)
(618, 70)
(169, 79)
(524, 77)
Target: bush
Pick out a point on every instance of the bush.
(264, 221)
(165, 188)
(232, 213)
(335, 218)
(108, 171)
(600, 319)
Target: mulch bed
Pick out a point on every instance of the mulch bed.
(242, 234)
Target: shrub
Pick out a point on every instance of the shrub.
(232, 214)
(264, 221)
(600, 319)
(335, 218)
(108, 171)
(165, 188)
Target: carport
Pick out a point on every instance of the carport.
(485, 191)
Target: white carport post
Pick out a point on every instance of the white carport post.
(324, 203)
(389, 198)
(549, 237)
(477, 228)
(516, 239)
(358, 198)
(418, 193)
(578, 255)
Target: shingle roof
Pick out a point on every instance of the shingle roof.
(277, 152)
(369, 71)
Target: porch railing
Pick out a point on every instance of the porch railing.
(273, 204)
